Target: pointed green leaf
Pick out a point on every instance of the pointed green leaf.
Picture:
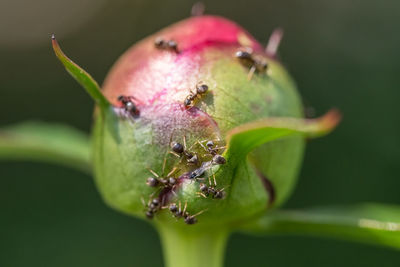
(243, 139)
(368, 223)
(46, 143)
(81, 76)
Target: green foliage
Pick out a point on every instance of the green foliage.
(368, 223)
(37, 141)
(121, 149)
(243, 139)
(83, 78)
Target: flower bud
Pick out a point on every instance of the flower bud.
(189, 122)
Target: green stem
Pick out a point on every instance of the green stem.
(190, 246)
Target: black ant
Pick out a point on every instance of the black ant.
(179, 213)
(195, 174)
(180, 150)
(247, 58)
(218, 160)
(201, 89)
(162, 44)
(129, 105)
(167, 181)
(211, 148)
(211, 191)
(152, 207)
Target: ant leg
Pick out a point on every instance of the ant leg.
(251, 73)
(200, 212)
(173, 153)
(164, 163)
(152, 194)
(154, 173)
(184, 142)
(201, 194)
(184, 208)
(199, 179)
(172, 171)
(215, 181)
(143, 202)
(202, 146)
(173, 192)
(192, 145)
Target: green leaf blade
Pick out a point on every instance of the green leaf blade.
(80, 75)
(43, 142)
(243, 139)
(375, 224)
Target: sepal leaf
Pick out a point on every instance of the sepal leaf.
(244, 138)
(79, 74)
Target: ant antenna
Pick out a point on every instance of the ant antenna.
(198, 9)
(201, 194)
(274, 42)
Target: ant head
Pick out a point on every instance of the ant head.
(177, 148)
(241, 54)
(210, 143)
(201, 88)
(152, 182)
(173, 207)
(159, 42)
(218, 159)
(190, 220)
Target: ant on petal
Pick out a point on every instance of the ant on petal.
(247, 58)
(128, 104)
(201, 89)
(162, 44)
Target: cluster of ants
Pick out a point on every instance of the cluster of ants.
(168, 184)
(154, 205)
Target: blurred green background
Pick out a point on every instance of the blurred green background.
(341, 53)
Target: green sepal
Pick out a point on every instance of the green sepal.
(79, 74)
(244, 138)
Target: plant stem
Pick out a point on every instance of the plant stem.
(193, 247)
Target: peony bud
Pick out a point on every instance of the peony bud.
(189, 122)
